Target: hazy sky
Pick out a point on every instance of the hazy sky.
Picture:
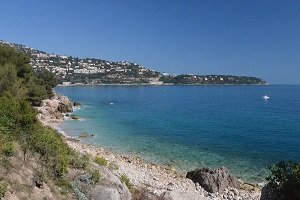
(242, 37)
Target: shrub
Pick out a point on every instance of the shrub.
(96, 176)
(8, 149)
(54, 152)
(125, 179)
(78, 161)
(85, 161)
(101, 161)
(113, 166)
(3, 188)
(284, 180)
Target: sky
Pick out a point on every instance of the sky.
(238, 37)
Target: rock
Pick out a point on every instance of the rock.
(267, 193)
(75, 117)
(216, 180)
(84, 135)
(58, 115)
(172, 195)
(76, 103)
(65, 107)
(39, 182)
(105, 193)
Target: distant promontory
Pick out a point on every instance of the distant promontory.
(72, 70)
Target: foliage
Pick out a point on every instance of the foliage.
(78, 161)
(3, 188)
(96, 176)
(18, 78)
(8, 149)
(113, 166)
(125, 179)
(54, 153)
(101, 161)
(284, 180)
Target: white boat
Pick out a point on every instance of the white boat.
(266, 97)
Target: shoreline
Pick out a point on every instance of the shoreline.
(155, 178)
(150, 84)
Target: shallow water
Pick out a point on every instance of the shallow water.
(193, 126)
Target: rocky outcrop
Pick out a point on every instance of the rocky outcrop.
(216, 180)
(65, 105)
(52, 111)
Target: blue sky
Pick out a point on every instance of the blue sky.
(256, 38)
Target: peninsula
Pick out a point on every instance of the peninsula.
(70, 70)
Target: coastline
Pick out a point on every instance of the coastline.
(150, 84)
(155, 179)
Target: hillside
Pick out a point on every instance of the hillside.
(73, 70)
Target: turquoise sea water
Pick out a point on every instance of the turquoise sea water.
(193, 126)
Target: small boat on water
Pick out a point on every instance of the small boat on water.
(266, 97)
(111, 103)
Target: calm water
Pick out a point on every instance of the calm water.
(193, 126)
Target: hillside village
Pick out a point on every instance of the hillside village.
(72, 70)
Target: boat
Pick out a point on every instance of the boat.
(266, 97)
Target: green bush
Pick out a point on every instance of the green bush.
(125, 179)
(284, 180)
(3, 188)
(54, 152)
(101, 161)
(85, 161)
(96, 176)
(8, 149)
(113, 166)
(78, 161)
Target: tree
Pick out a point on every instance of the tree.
(284, 180)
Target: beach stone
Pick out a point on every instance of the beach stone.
(173, 195)
(216, 180)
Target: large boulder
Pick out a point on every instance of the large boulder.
(105, 193)
(65, 107)
(216, 180)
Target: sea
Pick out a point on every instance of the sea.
(189, 127)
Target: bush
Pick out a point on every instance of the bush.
(78, 161)
(54, 152)
(125, 179)
(101, 161)
(284, 180)
(3, 188)
(113, 166)
(96, 176)
(8, 149)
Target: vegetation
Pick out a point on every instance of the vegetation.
(113, 166)
(3, 189)
(125, 179)
(20, 89)
(210, 79)
(100, 161)
(96, 176)
(284, 180)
